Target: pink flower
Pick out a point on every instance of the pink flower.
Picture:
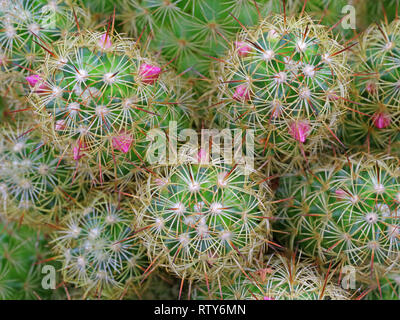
(149, 73)
(34, 79)
(268, 298)
(201, 156)
(300, 131)
(340, 194)
(242, 48)
(371, 87)
(381, 120)
(60, 125)
(78, 150)
(105, 41)
(122, 142)
(242, 93)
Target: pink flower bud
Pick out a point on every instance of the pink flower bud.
(333, 96)
(149, 73)
(201, 156)
(105, 41)
(242, 93)
(60, 125)
(381, 120)
(300, 131)
(122, 143)
(33, 79)
(160, 182)
(340, 194)
(370, 87)
(268, 298)
(243, 49)
(78, 150)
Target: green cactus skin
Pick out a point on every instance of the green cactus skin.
(370, 12)
(162, 286)
(286, 80)
(200, 219)
(36, 182)
(374, 123)
(345, 211)
(98, 250)
(100, 98)
(388, 288)
(21, 251)
(278, 278)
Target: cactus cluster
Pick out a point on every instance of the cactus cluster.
(93, 92)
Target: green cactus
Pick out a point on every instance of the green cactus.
(286, 79)
(374, 121)
(343, 211)
(278, 278)
(98, 97)
(30, 27)
(22, 249)
(36, 181)
(98, 249)
(200, 219)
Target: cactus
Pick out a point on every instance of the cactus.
(343, 211)
(201, 219)
(21, 251)
(98, 250)
(387, 287)
(278, 278)
(374, 120)
(189, 32)
(31, 26)
(286, 80)
(98, 97)
(36, 182)
(370, 12)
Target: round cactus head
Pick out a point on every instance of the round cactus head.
(98, 96)
(97, 248)
(200, 219)
(286, 80)
(344, 211)
(36, 181)
(374, 122)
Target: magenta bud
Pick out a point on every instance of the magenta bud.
(60, 125)
(268, 298)
(242, 93)
(149, 73)
(333, 96)
(300, 131)
(33, 79)
(340, 193)
(201, 156)
(243, 49)
(105, 41)
(78, 151)
(122, 143)
(381, 120)
(370, 87)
